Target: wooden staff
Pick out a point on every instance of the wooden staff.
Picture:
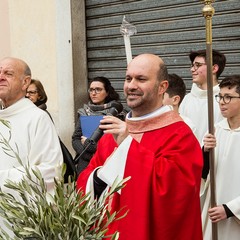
(208, 12)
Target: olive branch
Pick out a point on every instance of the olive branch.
(65, 215)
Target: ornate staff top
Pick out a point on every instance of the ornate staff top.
(208, 10)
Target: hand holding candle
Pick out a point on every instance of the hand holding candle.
(127, 30)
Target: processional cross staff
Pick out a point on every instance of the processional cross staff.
(208, 12)
(127, 30)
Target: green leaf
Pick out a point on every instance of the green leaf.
(36, 214)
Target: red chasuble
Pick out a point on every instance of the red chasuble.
(162, 196)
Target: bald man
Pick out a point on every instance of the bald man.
(160, 154)
(33, 135)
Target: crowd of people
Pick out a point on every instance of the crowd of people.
(162, 144)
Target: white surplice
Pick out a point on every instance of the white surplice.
(34, 137)
(227, 171)
(195, 107)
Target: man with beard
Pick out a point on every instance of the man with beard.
(160, 154)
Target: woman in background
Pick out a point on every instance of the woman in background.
(102, 97)
(36, 93)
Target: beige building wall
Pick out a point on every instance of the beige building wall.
(39, 32)
(4, 29)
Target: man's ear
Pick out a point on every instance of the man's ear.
(163, 86)
(176, 100)
(215, 68)
(26, 82)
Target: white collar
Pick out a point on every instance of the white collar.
(198, 92)
(155, 113)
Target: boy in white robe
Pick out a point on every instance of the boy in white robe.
(227, 165)
(194, 105)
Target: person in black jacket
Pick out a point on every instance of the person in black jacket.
(102, 97)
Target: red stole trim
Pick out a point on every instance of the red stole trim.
(136, 128)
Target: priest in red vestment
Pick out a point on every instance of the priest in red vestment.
(160, 154)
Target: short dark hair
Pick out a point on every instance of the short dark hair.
(176, 86)
(162, 72)
(41, 92)
(217, 58)
(231, 82)
(112, 94)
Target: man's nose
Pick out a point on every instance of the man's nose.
(1, 75)
(192, 69)
(132, 84)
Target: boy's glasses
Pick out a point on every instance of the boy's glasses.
(197, 65)
(226, 98)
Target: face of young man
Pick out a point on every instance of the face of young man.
(142, 89)
(199, 72)
(230, 110)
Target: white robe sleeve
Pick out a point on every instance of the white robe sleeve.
(114, 167)
(234, 206)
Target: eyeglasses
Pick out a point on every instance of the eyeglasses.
(31, 93)
(226, 98)
(197, 65)
(95, 90)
